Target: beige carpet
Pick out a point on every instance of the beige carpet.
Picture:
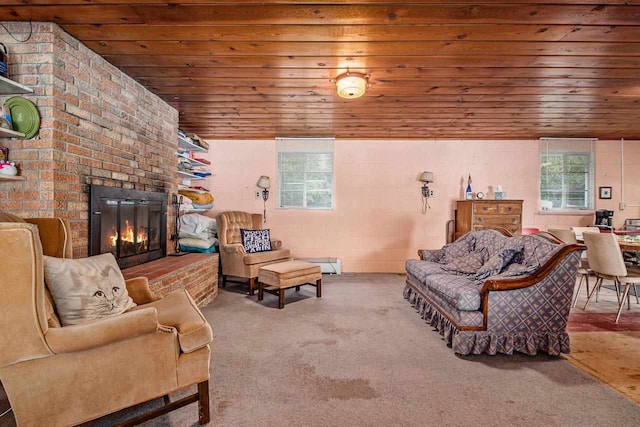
(361, 356)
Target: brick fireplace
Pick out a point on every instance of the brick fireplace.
(99, 127)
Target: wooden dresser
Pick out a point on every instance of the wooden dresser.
(480, 214)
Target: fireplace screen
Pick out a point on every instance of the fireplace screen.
(130, 224)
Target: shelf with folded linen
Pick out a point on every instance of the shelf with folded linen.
(195, 199)
(197, 233)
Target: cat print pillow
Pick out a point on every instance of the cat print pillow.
(86, 289)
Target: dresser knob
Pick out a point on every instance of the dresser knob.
(479, 219)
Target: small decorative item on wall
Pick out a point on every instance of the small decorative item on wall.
(605, 192)
(25, 117)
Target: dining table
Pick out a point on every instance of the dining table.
(629, 245)
(626, 242)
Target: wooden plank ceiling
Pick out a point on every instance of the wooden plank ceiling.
(439, 69)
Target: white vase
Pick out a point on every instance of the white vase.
(9, 170)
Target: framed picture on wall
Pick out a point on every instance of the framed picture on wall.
(605, 192)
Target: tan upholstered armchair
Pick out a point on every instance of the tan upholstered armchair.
(235, 261)
(57, 376)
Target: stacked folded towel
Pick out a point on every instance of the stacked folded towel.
(198, 233)
(196, 198)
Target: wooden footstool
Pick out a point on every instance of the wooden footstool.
(275, 278)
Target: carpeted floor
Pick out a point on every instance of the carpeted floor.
(361, 356)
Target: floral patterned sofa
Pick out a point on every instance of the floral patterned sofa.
(489, 293)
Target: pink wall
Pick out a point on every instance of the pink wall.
(377, 222)
(608, 175)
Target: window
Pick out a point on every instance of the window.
(566, 174)
(305, 169)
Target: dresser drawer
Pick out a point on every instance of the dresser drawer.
(510, 208)
(513, 229)
(501, 220)
(485, 208)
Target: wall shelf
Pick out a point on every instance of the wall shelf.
(189, 175)
(192, 210)
(8, 133)
(12, 178)
(187, 144)
(189, 148)
(9, 87)
(193, 161)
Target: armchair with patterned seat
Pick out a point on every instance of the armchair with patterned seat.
(235, 260)
(65, 375)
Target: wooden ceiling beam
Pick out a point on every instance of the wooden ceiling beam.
(387, 82)
(330, 14)
(455, 101)
(398, 91)
(363, 49)
(391, 61)
(357, 33)
(382, 73)
(285, 2)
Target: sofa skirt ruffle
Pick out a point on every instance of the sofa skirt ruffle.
(478, 342)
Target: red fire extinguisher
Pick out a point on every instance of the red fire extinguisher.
(4, 67)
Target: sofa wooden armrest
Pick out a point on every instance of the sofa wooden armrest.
(520, 282)
(102, 332)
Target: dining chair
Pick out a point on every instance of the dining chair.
(569, 236)
(581, 230)
(605, 259)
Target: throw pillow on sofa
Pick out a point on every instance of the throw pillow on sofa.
(467, 264)
(515, 269)
(86, 289)
(460, 248)
(255, 240)
(510, 253)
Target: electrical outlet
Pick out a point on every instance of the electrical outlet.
(258, 195)
(622, 206)
(431, 193)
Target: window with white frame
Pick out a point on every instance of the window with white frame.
(305, 172)
(566, 174)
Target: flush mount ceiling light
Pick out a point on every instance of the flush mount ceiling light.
(352, 85)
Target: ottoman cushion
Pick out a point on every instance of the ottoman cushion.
(289, 273)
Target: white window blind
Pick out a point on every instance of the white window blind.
(305, 172)
(566, 173)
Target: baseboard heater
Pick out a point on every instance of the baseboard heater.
(327, 265)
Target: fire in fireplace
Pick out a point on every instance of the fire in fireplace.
(131, 242)
(131, 224)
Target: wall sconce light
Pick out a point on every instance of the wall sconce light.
(263, 182)
(352, 85)
(426, 178)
